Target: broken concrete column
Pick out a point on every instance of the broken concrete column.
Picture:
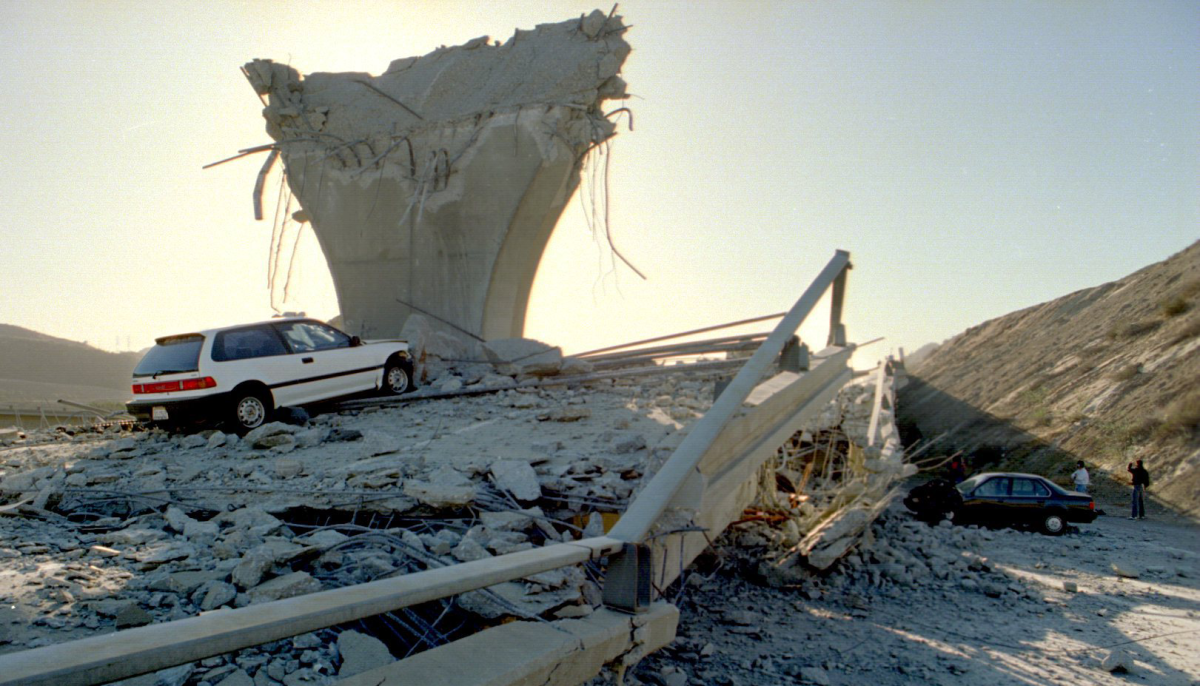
(434, 186)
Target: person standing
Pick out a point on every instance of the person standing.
(958, 471)
(1141, 480)
(1080, 477)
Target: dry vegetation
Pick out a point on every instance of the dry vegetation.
(1182, 417)
(1106, 375)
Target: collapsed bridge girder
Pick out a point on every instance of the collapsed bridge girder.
(435, 186)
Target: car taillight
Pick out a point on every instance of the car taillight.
(199, 384)
(1091, 504)
(169, 386)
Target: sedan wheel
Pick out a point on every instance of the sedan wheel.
(1054, 524)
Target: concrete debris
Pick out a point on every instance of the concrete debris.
(286, 586)
(216, 594)
(524, 357)
(237, 677)
(1117, 661)
(361, 653)
(1125, 570)
(837, 478)
(247, 524)
(518, 479)
(445, 487)
(253, 567)
(131, 615)
(469, 550)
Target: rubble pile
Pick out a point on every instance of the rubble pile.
(900, 558)
(121, 529)
(985, 600)
(449, 361)
(819, 494)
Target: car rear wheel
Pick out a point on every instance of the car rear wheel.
(1053, 524)
(251, 409)
(396, 378)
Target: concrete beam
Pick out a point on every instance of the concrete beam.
(561, 653)
(645, 510)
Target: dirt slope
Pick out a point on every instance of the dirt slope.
(1106, 374)
(35, 367)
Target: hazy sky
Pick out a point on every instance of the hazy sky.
(975, 158)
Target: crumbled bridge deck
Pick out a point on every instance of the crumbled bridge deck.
(119, 530)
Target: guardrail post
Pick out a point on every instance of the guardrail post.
(837, 330)
(794, 357)
(627, 583)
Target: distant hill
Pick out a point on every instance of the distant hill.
(914, 359)
(37, 368)
(1107, 374)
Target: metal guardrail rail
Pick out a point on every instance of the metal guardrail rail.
(706, 481)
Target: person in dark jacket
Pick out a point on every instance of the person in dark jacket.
(1141, 480)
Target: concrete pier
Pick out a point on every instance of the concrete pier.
(436, 185)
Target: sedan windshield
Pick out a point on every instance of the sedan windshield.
(171, 356)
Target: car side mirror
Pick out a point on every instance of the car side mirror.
(355, 341)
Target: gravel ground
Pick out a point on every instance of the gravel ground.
(952, 605)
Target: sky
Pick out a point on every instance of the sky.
(975, 158)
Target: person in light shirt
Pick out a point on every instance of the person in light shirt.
(1080, 477)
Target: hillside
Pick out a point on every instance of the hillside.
(37, 369)
(1106, 374)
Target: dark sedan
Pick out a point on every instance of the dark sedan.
(1006, 499)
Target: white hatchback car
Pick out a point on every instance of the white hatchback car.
(240, 375)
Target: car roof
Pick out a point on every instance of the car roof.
(1020, 474)
(208, 333)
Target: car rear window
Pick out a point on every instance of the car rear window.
(244, 344)
(1028, 488)
(993, 487)
(172, 355)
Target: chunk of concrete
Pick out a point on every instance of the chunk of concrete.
(1125, 570)
(286, 468)
(238, 677)
(257, 438)
(361, 653)
(1117, 661)
(286, 586)
(518, 478)
(469, 550)
(446, 487)
(252, 567)
(517, 356)
(219, 593)
(132, 615)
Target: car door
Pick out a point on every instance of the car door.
(987, 501)
(1028, 500)
(255, 353)
(323, 361)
